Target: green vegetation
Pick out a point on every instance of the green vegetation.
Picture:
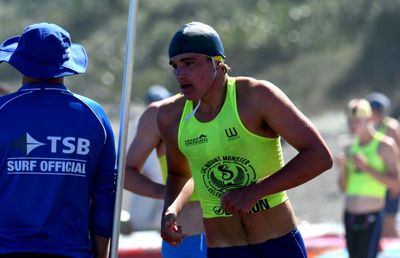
(320, 53)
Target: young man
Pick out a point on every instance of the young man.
(225, 132)
(367, 169)
(380, 105)
(147, 139)
(57, 154)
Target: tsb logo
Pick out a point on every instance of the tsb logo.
(57, 144)
(69, 145)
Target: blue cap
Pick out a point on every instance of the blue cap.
(44, 50)
(379, 102)
(196, 37)
(156, 93)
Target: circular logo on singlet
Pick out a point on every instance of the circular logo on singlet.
(223, 173)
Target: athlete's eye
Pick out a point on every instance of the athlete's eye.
(188, 63)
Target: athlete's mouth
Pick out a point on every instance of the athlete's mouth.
(184, 86)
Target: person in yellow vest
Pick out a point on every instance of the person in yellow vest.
(367, 168)
(147, 138)
(222, 137)
(385, 124)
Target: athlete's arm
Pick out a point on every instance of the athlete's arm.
(395, 127)
(101, 247)
(341, 160)
(176, 194)
(393, 130)
(388, 151)
(147, 138)
(273, 109)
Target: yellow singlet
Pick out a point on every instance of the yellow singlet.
(224, 155)
(360, 183)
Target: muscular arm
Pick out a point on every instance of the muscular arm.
(147, 138)
(179, 185)
(388, 151)
(274, 109)
(286, 120)
(178, 167)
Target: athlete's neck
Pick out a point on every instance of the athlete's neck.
(213, 101)
(366, 136)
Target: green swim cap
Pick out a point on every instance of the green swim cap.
(196, 37)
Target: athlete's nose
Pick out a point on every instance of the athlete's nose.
(179, 73)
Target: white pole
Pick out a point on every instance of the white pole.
(124, 121)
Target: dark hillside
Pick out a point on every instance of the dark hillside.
(320, 53)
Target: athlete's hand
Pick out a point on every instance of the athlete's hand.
(239, 201)
(360, 162)
(171, 232)
(341, 160)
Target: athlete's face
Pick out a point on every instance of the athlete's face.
(377, 116)
(194, 73)
(357, 125)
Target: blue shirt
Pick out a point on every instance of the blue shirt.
(57, 171)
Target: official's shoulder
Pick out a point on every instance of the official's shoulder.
(7, 98)
(86, 99)
(92, 104)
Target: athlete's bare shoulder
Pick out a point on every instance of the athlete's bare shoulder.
(171, 106)
(168, 116)
(150, 112)
(260, 94)
(249, 85)
(392, 123)
(387, 142)
(164, 101)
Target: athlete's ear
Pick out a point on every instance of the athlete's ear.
(222, 66)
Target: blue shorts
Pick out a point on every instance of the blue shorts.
(290, 245)
(392, 204)
(191, 247)
(363, 232)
